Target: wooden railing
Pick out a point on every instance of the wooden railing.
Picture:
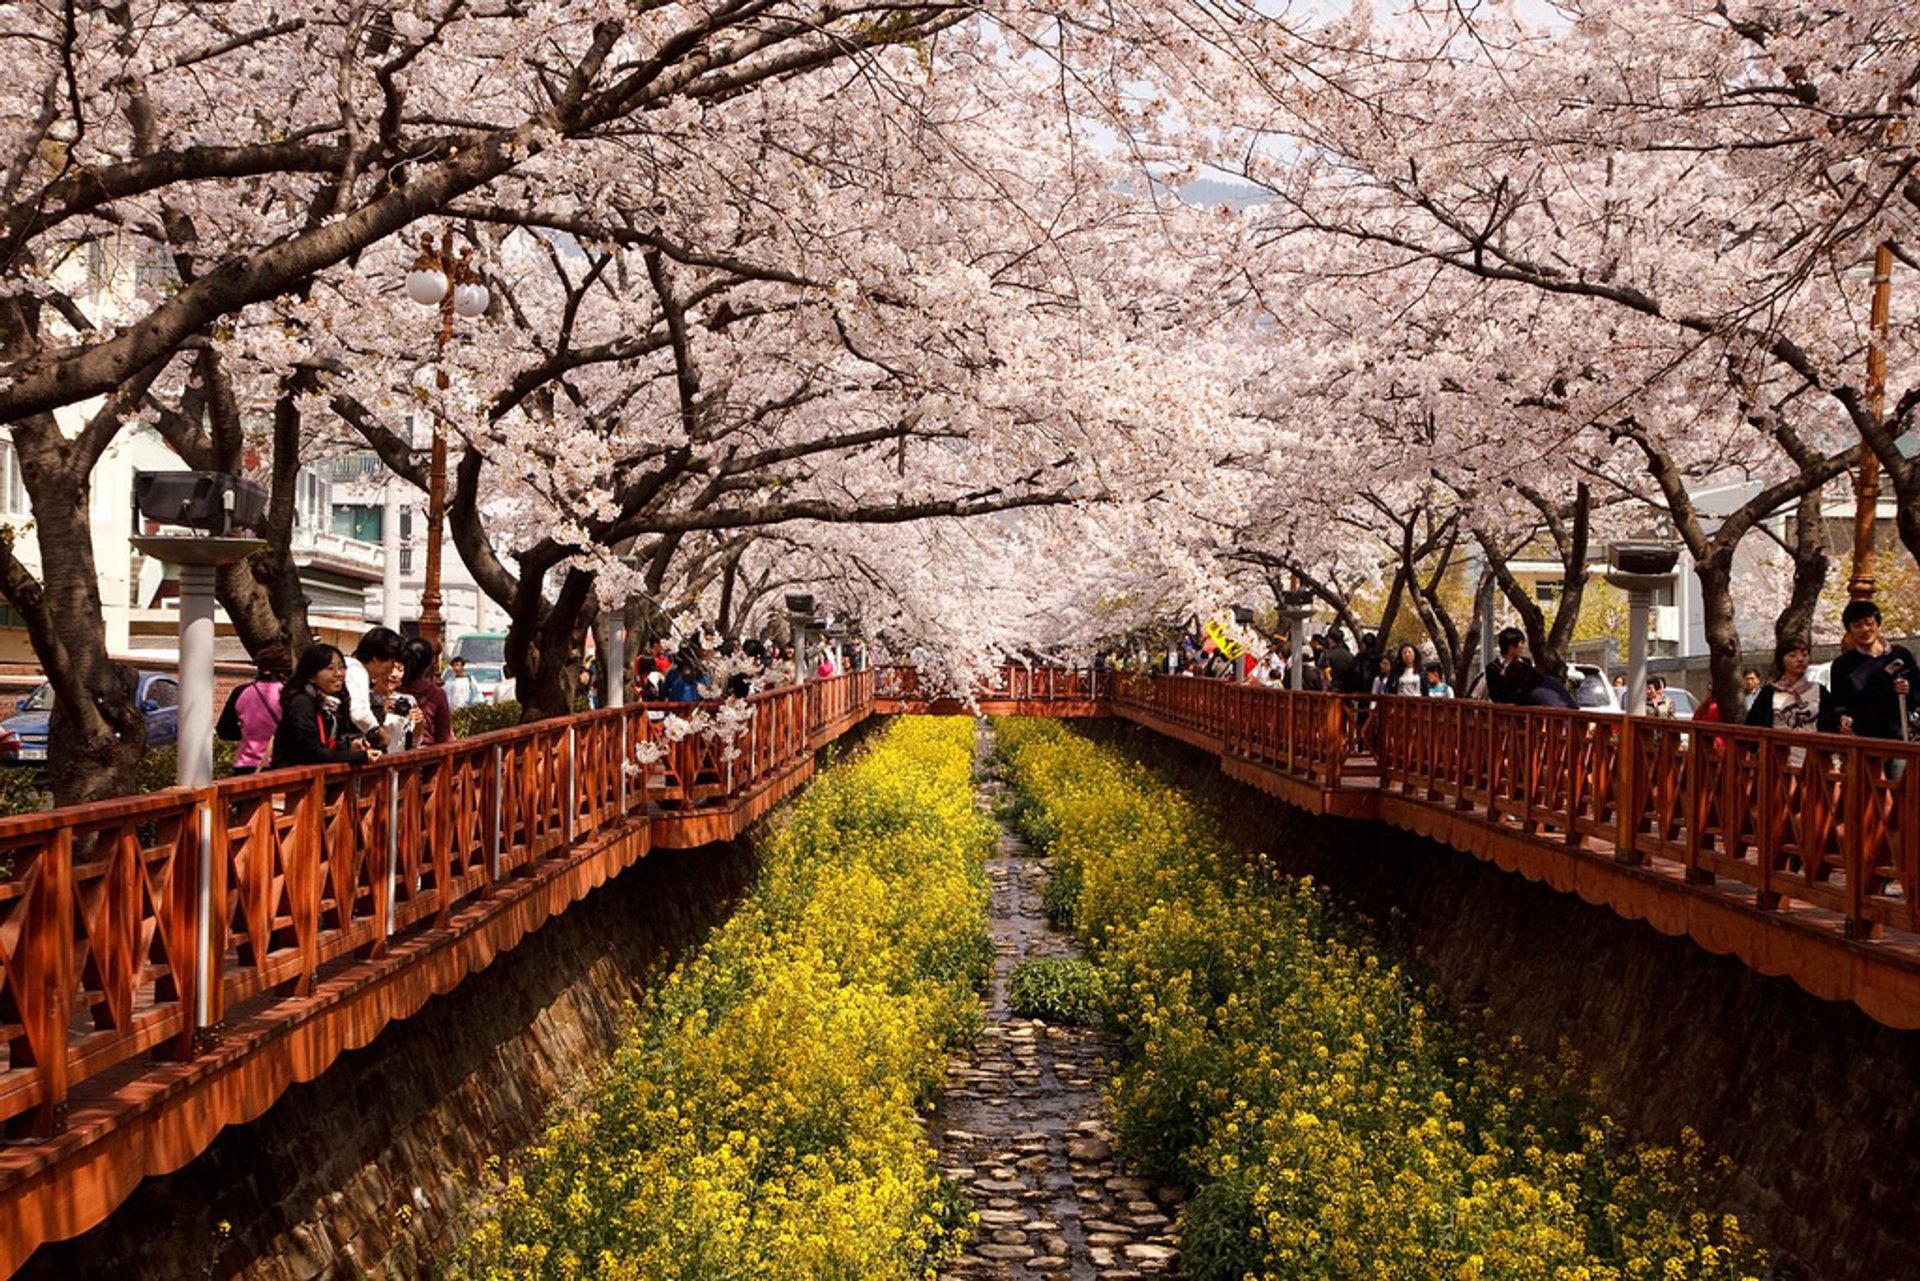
(130, 926)
(1310, 737)
(1821, 819)
(1816, 819)
(1015, 683)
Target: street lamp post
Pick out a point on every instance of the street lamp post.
(448, 282)
(218, 506)
(1866, 480)
(799, 618)
(1296, 607)
(1639, 569)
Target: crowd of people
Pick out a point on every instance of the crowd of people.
(1866, 694)
(707, 667)
(388, 695)
(331, 707)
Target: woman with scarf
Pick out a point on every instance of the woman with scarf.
(315, 728)
(1790, 700)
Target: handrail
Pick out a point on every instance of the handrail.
(128, 926)
(1821, 819)
(1818, 819)
(1016, 682)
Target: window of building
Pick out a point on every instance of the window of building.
(1546, 593)
(312, 497)
(358, 520)
(13, 491)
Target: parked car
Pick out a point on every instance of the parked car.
(486, 655)
(158, 695)
(1592, 690)
(495, 685)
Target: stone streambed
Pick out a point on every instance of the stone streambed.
(1022, 1125)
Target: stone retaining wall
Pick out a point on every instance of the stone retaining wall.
(367, 1171)
(1817, 1105)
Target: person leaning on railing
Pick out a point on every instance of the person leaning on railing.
(314, 729)
(418, 682)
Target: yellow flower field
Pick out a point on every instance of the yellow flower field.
(761, 1120)
(1328, 1123)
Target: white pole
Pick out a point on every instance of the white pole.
(195, 748)
(1297, 664)
(193, 756)
(1639, 608)
(390, 555)
(617, 660)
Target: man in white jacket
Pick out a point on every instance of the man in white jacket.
(369, 674)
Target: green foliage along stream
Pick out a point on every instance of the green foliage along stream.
(761, 1120)
(1328, 1123)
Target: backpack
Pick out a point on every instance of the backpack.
(228, 726)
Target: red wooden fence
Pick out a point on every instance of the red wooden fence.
(127, 926)
(1800, 853)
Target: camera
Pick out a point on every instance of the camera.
(400, 705)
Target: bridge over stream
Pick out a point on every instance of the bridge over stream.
(170, 964)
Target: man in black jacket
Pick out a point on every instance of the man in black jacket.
(1872, 680)
(1512, 642)
(1336, 660)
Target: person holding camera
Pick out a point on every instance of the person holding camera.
(1872, 680)
(420, 698)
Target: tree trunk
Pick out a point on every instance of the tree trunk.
(1573, 582)
(96, 734)
(1715, 573)
(1810, 566)
(543, 643)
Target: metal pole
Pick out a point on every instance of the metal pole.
(390, 551)
(1639, 609)
(1297, 666)
(393, 850)
(203, 972)
(1866, 483)
(430, 624)
(194, 766)
(1489, 646)
(617, 660)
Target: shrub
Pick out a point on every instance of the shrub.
(1330, 1124)
(760, 1118)
(161, 765)
(1062, 895)
(484, 718)
(1058, 990)
(21, 792)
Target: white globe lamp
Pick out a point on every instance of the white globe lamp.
(427, 286)
(470, 300)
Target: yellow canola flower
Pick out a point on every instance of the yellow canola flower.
(1329, 1127)
(761, 1118)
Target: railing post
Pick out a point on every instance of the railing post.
(621, 754)
(393, 851)
(203, 910)
(573, 780)
(1856, 796)
(497, 850)
(1628, 797)
(47, 938)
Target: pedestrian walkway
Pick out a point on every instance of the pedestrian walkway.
(1022, 1125)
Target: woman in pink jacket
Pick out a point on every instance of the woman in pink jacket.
(252, 713)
